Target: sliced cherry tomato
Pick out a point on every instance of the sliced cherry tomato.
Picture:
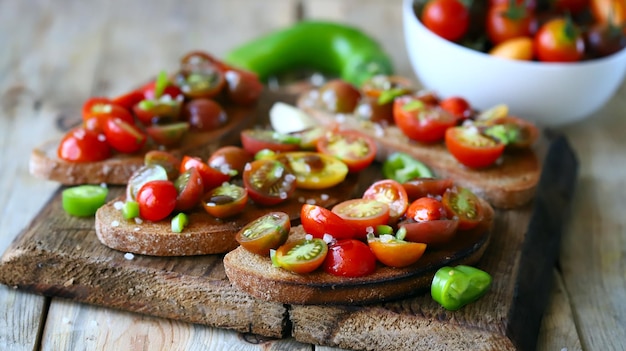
(349, 258)
(267, 232)
(255, 140)
(204, 114)
(514, 132)
(94, 104)
(211, 177)
(559, 40)
(420, 121)
(129, 99)
(242, 87)
(390, 192)
(83, 145)
(158, 110)
(355, 149)
(124, 137)
(395, 253)
(318, 221)
(156, 199)
(421, 187)
(463, 204)
(202, 82)
(447, 18)
(471, 148)
(314, 170)
(426, 209)
(434, 233)
(386, 88)
(302, 256)
(230, 159)
(97, 111)
(363, 214)
(510, 20)
(190, 189)
(225, 201)
(338, 96)
(309, 137)
(168, 135)
(268, 182)
(457, 106)
(141, 176)
(160, 87)
(165, 159)
(369, 109)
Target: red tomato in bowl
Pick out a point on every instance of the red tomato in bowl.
(349, 258)
(507, 21)
(420, 121)
(447, 18)
(355, 149)
(559, 40)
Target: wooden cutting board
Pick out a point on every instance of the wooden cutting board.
(59, 255)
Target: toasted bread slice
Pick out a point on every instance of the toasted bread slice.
(256, 275)
(205, 234)
(510, 183)
(116, 170)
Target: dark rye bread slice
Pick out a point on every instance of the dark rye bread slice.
(116, 170)
(205, 234)
(255, 274)
(510, 183)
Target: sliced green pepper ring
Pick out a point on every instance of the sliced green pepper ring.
(402, 167)
(83, 200)
(455, 287)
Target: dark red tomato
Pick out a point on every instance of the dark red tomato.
(96, 114)
(129, 99)
(190, 189)
(559, 40)
(390, 192)
(255, 140)
(317, 221)
(572, 6)
(123, 136)
(471, 148)
(267, 232)
(530, 4)
(301, 256)
(349, 258)
(426, 209)
(434, 233)
(196, 59)
(242, 87)
(157, 111)
(268, 182)
(602, 39)
(447, 18)
(204, 114)
(83, 145)
(170, 89)
(355, 149)
(339, 96)
(420, 121)
(421, 187)
(508, 21)
(463, 204)
(363, 214)
(457, 106)
(165, 159)
(157, 200)
(230, 159)
(169, 134)
(203, 82)
(225, 201)
(211, 177)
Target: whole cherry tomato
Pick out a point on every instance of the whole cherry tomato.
(426, 209)
(355, 149)
(609, 11)
(83, 145)
(447, 18)
(559, 40)
(349, 258)
(519, 48)
(156, 199)
(471, 148)
(318, 221)
(123, 136)
(421, 121)
(507, 21)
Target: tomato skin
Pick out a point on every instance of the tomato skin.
(97, 111)
(268, 182)
(317, 221)
(165, 159)
(521, 133)
(148, 91)
(505, 22)
(267, 232)
(353, 148)
(190, 189)
(457, 106)
(254, 140)
(230, 159)
(421, 187)
(433, 233)
(362, 214)
(242, 87)
(124, 137)
(556, 41)
(421, 122)
(204, 114)
(129, 99)
(396, 253)
(211, 177)
(390, 192)
(83, 145)
(339, 96)
(464, 205)
(519, 48)
(471, 148)
(288, 255)
(225, 201)
(349, 258)
(447, 18)
(157, 200)
(426, 209)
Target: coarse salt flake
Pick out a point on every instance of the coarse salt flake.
(115, 224)
(138, 220)
(129, 256)
(118, 205)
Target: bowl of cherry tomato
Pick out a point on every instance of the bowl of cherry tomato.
(551, 64)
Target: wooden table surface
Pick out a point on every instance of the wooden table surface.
(55, 54)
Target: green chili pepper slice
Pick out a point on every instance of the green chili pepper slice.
(130, 209)
(455, 287)
(402, 167)
(83, 200)
(328, 47)
(179, 222)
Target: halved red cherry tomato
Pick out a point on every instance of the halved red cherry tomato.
(457, 106)
(211, 177)
(301, 256)
(363, 214)
(230, 159)
(225, 201)
(265, 233)
(420, 121)
(317, 221)
(268, 182)
(150, 90)
(190, 189)
(338, 96)
(156, 199)
(97, 111)
(314, 170)
(426, 209)
(204, 114)
(447, 18)
(124, 137)
(471, 148)
(255, 140)
(349, 258)
(242, 87)
(129, 99)
(421, 187)
(83, 145)
(463, 204)
(169, 134)
(390, 192)
(396, 253)
(158, 110)
(355, 149)
(434, 233)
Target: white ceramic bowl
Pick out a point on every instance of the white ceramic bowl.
(550, 94)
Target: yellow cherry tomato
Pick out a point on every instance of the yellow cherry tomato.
(520, 48)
